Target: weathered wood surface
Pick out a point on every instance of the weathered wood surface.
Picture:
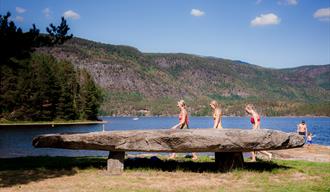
(167, 140)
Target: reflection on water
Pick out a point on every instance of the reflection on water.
(16, 142)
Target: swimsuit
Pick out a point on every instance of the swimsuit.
(302, 133)
(185, 125)
(309, 140)
(252, 120)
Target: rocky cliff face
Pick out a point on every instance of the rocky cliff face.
(142, 80)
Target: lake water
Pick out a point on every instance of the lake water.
(17, 142)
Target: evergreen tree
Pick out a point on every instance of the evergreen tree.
(37, 86)
(91, 96)
(67, 108)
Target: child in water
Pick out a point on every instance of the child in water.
(309, 138)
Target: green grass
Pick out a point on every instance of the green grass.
(160, 174)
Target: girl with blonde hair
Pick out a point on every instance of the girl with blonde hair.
(183, 124)
(217, 114)
(183, 116)
(255, 121)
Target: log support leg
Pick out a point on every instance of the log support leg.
(115, 163)
(226, 161)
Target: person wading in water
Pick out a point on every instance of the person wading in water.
(302, 129)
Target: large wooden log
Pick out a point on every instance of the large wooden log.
(167, 140)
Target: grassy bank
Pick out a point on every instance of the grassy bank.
(145, 174)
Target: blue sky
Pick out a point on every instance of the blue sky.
(270, 33)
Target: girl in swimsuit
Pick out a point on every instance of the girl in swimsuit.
(255, 121)
(183, 116)
(183, 124)
(217, 114)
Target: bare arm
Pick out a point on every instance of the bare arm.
(220, 122)
(177, 126)
(183, 118)
(183, 115)
(217, 120)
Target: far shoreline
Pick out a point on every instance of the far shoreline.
(50, 123)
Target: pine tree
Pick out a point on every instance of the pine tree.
(92, 97)
(37, 86)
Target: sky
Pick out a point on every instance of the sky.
(269, 33)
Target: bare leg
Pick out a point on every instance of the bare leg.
(172, 156)
(194, 156)
(253, 156)
(268, 154)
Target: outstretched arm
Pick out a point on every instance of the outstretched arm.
(220, 117)
(177, 126)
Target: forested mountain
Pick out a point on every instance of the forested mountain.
(136, 82)
(39, 87)
(43, 88)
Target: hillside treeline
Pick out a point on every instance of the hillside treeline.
(38, 87)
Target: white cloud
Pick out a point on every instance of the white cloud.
(292, 2)
(46, 12)
(323, 14)
(19, 18)
(266, 19)
(288, 2)
(20, 10)
(71, 15)
(197, 12)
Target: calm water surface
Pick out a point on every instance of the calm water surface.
(16, 142)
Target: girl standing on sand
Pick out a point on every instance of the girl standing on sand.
(183, 124)
(255, 121)
(217, 114)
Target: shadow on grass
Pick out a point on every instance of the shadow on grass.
(261, 166)
(155, 163)
(18, 171)
(23, 170)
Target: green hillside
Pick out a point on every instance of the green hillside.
(137, 83)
